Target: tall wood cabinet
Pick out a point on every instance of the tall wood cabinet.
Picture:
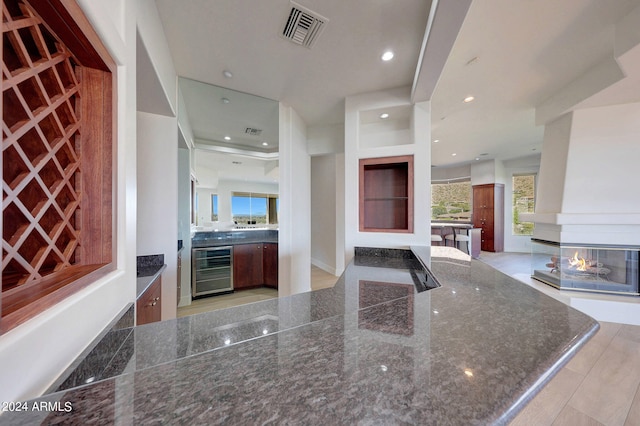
(488, 215)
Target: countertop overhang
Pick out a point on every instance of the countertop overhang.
(372, 349)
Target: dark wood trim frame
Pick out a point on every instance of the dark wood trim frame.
(407, 212)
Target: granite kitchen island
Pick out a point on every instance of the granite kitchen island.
(378, 348)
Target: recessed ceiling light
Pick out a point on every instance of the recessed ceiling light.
(227, 138)
(227, 73)
(225, 101)
(384, 115)
(387, 56)
(477, 158)
(265, 144)
(436, 140)
(454, 154)
(468, 99)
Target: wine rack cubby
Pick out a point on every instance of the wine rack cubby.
(57, 156)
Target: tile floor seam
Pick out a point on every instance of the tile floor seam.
(626, 417)
(635, 395)
(582, 379)
(604, 352)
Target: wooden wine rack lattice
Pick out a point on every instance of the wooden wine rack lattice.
(41, 159)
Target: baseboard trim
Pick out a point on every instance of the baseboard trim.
(323, 266)
(184, 301)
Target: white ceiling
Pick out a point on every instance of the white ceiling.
(243, 36)
(526, 52)
(215, 113)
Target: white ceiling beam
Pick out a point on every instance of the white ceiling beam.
(588, 84)
(443, 26)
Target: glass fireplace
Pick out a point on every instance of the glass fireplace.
(599, 268)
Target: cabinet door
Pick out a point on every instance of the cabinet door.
(148, 306)
(270, 265)
(247, 266)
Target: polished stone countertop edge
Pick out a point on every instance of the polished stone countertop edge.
(143, 282)
(547, 373)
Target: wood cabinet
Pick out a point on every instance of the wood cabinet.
(247, 265)
(148, 305)
(386, 194)
(488, 215)
(255, 265)
(270, 264)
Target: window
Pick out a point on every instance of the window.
(57, 169)
(524, 191)
(214, 207)
(253, 209)
(451, 200)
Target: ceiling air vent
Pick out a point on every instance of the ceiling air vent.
(253, 132)
(303, 26)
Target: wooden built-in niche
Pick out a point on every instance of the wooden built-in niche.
(58, 128)
(386, 194)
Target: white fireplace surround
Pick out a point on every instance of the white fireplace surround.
(589, 170)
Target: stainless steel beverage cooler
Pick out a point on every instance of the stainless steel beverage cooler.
(212, 270)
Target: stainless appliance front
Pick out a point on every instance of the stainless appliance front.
(212, 270)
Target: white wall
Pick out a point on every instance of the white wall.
(417, 144)
(555, 150)
(294, 238)
(489, 171)
(158, 198)
(152, 35)
(445, 173)
(604, 160)
(33, 354)
(327, 139)
(323, 212)
(184, 223)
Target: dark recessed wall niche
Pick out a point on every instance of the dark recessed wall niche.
(386, 194)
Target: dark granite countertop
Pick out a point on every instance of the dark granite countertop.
(148, 268)
(230, 238)
(147, 275)
(372, 349)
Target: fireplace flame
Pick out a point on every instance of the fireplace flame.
(578, 262)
